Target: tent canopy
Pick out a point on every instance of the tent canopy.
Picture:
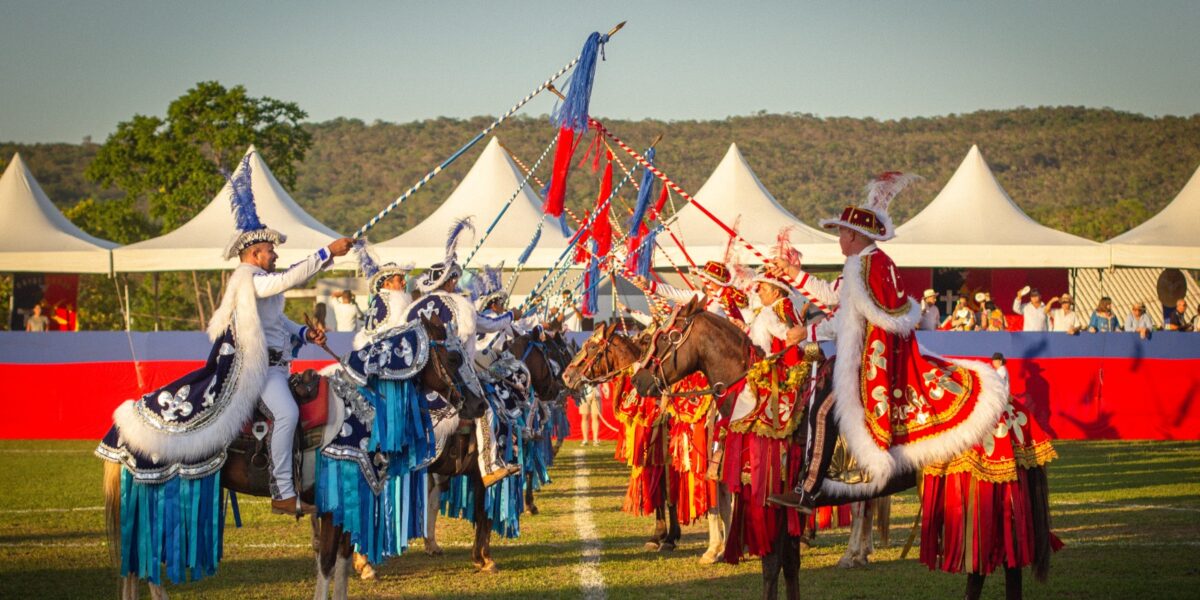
(34, 234)
(1168, 239)
(481, 195)
(199, 244)
(733, 190)
(974, 223)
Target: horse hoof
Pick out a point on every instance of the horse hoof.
(651, 546)
(488, 567)
(533, 509)
(710, 558)
(666, 547)
(367, 573)
(433, 550)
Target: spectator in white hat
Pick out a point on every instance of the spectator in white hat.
(1064, 319)
(931, 317)
(1139, 321)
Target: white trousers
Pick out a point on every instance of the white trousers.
(286, 415)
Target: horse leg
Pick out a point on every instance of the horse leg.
(1012, 584)
(325, 538)
(431, 513)
(158, 592)
(341, 568)
(852, 546)
(660, 529)
(529, 505)
(129, 587)
(772, 562)
(790, 561)
(363, 567)
(482, 550)
(975, 586)
(867, 543)
(673, 531)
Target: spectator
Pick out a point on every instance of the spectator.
(37, 321)
(1103, 320)
(345, 311)
(963, 318)
(1066, 319)
(931, 317)
(572, 319)
(1139, 321)
(1034, 312)
(1178, 321)
(998, 363)
(981, 316)
(995, 317)
(589, 414)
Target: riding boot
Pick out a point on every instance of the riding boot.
(975, 585)
(1012, 584)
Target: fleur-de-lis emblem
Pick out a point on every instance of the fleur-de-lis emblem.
(175, 406)
(875, 360)
(428, 310)
(880, 396)
(405, 351)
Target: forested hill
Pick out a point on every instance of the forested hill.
(1092, 172)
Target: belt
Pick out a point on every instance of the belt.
(276, 358)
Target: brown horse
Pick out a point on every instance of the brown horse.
(244, 475)
(697, 341)
(539, 355)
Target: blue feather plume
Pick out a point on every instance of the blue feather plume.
(456, 230)
(644, 194)
(573, 112)
(537, 235)
(646, 253)
(241, 199)
(562, 223)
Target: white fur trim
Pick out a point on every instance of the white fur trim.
(238, 306)
(857, 308)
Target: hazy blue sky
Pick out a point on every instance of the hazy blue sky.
(70, 69)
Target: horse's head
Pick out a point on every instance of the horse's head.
(444, 371)
(602, 356)
(532, 351)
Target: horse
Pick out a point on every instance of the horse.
(548, 393)
(243, 474)
(606, 357)
(694, 340)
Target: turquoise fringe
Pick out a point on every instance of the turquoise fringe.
(503, 502)
(178, 524)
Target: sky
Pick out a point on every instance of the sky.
(75, 69)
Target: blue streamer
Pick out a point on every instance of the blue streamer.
(566, 229)
(537, 235)
(593, 273)
(573, 112)
(645, 193)
(177, 524)
(645, 253)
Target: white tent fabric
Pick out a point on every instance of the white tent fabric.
(733, 190)
(199, 244)
(36, 237)
(481, 194)
(1169, 239)
(974, 223)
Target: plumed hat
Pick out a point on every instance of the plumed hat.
(871, 217)
(370, 268)
(448, 268)
(250, 230)
(487, 286)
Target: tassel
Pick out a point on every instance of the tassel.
(601, 227)
(562, 224)
(644, 192)
(646, 254)
(591, 281)
(662, 201)
(581, 253)
(571, 117)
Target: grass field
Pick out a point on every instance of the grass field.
(1129, 513)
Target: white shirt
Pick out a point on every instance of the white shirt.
(282, 333)
(346, 314)
(679, 296)
(1065, 322)
(1036, 318)
(931, 317)
(767, 327)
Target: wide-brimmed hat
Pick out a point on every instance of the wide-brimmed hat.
(871, 217)
(716, 273)
(929, 292)
(441, 272)
(772, 280)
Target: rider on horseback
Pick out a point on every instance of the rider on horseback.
(254, 245)
(897, 408)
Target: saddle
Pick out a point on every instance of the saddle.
(311, 393)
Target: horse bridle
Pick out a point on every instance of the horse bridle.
(456, 387)
(676, 336)
(586, 366)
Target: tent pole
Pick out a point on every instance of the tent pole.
(156, 314)
(212, 305)
(199, 305)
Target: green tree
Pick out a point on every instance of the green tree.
(174, 164)
(116, 220)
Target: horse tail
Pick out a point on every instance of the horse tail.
(1043, 539)
(112, 510)
(883, 519)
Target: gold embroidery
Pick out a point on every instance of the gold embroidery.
(866, 271)
(996, 470)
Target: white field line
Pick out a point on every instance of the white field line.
(1128, 506)
(590, 578)
(46, 451)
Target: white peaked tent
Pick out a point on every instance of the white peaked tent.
(733, 190)
(36, 237)
(481, 195)
(199, 244)
(1169, 239)
(973, 223)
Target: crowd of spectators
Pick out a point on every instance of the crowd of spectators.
(1058, 315)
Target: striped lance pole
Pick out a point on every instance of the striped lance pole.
(504, 209)
(690, 199)
(486, 130)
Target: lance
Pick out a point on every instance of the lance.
(690, 199)
(486, 130)
(504, 209)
